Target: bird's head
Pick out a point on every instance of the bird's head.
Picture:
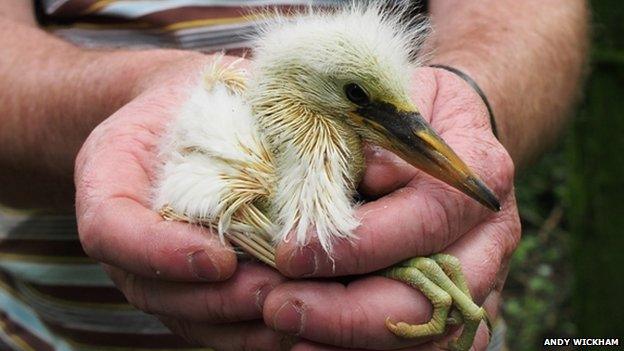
(354, 66)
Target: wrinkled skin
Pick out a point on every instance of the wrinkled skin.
(159, 266)
(164, 268)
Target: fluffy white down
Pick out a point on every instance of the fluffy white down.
(312, 193)
(384, 36)
(210, 129)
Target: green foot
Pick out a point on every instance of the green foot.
(441, 280)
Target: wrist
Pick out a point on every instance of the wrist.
(157, 68)
(69, 91)
(477, 89)
(112, 79)
(482, 72)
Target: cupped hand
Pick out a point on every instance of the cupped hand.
(413, 215)
(180, 272)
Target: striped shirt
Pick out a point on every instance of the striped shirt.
(202, 25)
(52, 296)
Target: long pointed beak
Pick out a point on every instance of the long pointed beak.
(413, 139)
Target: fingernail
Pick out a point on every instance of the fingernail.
(289, 317)
(202, 266)
(302, 262)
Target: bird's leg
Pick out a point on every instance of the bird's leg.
(440, 300)
(443, 272)
(451, 266)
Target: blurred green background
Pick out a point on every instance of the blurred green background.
(567, 276)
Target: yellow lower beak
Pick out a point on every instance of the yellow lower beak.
(412, 138)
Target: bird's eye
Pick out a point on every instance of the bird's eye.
(356, 94)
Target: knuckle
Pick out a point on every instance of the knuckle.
(136, 293)
(507, 231)
(218, 306)
(512, 237)
(506, 237)
(89, 242)
(351, 323)
(90, 237)
(85, 157)
(150, 254)
(445, 209)
(360, 255)
(503, 171)
(90, 229)
(483, 275)
(435, 217)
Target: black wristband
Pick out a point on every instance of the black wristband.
(476, 88)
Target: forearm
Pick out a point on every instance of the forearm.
(54, 94)
(527, 56)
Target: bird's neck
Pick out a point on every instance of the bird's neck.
(287, 125)
(319, 162)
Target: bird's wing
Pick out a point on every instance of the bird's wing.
(217, 169)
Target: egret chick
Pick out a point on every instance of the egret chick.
(278, 155)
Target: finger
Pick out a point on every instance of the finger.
(236, 336)
(311, 346)
(125, 234)
(385, 172)
(422, 218)
(484, 252)
(114, 173)
(333, 314)
(480, 344)
(239, 298)
(354, 316)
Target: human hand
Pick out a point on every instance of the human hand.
(181, 273)
(416, 215)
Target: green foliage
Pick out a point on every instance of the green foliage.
(596, 209)
(566, 276)
(537, 296)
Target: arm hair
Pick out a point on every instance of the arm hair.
(528, 56)
(53, 95)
